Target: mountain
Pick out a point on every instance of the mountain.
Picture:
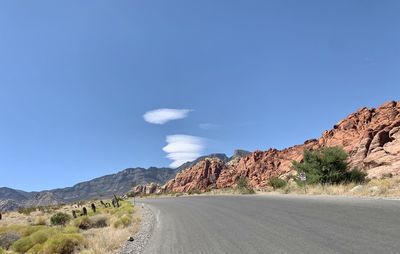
(370, 136)
(12, 194)
(101, 187)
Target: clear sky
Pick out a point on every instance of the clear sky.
(77, 77)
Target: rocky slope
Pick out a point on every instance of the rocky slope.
(370, 136)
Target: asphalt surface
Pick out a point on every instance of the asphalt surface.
(274, 224)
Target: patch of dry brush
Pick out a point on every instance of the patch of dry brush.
(100, 232)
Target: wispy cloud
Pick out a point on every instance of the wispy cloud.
(183, 148)
(208, 126)
(164, 115)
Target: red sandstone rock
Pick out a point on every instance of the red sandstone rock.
(370, 136)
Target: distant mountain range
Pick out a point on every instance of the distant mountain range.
(102, 187)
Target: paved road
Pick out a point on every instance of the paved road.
(274, 224)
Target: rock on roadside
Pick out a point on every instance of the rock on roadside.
(142, 237)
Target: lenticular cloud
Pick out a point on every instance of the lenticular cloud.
(183, 148)
(164, 115)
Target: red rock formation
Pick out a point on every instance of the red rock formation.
(203, 174)
(370, 136)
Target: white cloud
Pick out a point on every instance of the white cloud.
(183, 148)
(164, 115)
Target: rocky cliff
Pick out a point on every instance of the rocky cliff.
(370, 136)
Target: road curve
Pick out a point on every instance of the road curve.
(274, 224)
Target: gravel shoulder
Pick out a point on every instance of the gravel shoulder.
(141, 238)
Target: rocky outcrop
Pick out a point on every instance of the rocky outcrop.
(148, 189)
(200, 176)
(370, 136)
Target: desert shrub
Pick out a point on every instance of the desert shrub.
(39, 237)
(70, 230)
(355, 176)
(243, 186)
(123, 221)
(35, 249)
(40, 220)
(98, 221)
(22, 245)
(126, 206)
(277, 183)
(241, 182)
(327, 165)
(26, 210)
(194, 191)
(42, 235)
(59, 219)
(82, 222)
(28, 230)
(63, 244)
(8, 238)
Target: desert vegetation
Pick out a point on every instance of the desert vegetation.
(328, 165)
(243, 187)
(327, 172)
(101, 229)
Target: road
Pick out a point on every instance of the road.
(274, 224)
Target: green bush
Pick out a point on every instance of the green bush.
(62, 244)
(70, 230)
(22, 245)
(60, 219)
(327, 166)
(39, 237)
(42, 235)
(28, 230)
(241, 182)
(277, 183)
(123, 221)
(356, 176)
(35, 249)
(194, 191)
(243, 186)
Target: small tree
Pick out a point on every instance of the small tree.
(60, 219)
(327, 166)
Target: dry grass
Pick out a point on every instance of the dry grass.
(389, 187)
(101, 236)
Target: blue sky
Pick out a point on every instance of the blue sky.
(76, 78)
